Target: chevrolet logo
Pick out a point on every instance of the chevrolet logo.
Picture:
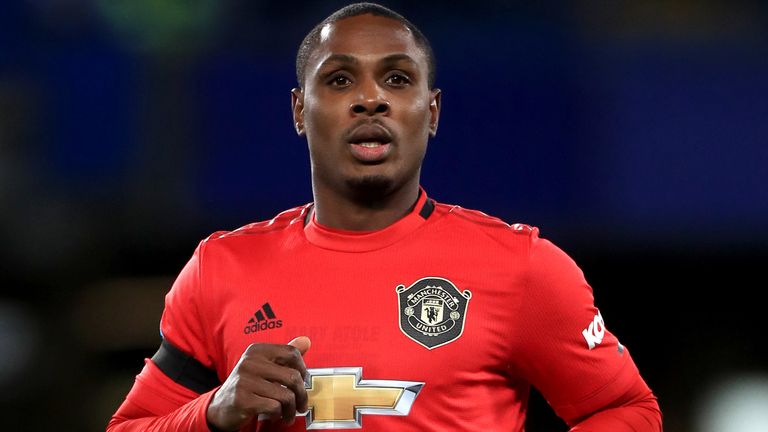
(338, 397)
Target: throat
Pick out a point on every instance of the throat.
(371, 205)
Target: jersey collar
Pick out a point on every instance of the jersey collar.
(362, 241)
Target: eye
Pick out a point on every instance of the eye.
(398, 80)
(339, 81)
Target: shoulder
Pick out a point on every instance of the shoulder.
(482, 222)
(279, 225)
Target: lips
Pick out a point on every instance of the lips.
(369, 133)
(370, 142)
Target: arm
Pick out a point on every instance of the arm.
(172, 391)
(268, 379)
(567, 353)
(636, 410)
(178, 389)
(157, 403)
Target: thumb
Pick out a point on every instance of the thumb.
(301, 343)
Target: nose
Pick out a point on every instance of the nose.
(370, 101)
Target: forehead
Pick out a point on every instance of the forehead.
(366, 37)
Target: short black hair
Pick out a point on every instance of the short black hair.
(311, 40)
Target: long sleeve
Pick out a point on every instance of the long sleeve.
(174, 388)
(585, 373)
(636, 411)
(158, 404)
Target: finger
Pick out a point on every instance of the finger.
(287, 377)
(290, 356)
(278, 363)
(302, 400)
(301, 343)
(274, 400)
(284, 355)
(237, 401)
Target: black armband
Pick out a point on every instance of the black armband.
(184, 369)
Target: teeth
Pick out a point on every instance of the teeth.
(369, 144)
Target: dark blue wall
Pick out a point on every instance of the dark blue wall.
(634, 134)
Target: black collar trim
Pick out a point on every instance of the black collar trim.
(427, 208)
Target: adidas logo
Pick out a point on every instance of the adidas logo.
(263, 319)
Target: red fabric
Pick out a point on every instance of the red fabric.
(155, 404)
(524, 323)
(636, 410)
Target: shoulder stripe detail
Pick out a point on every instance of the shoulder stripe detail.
(427, 208)
(184, 369)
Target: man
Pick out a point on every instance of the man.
(422, 316)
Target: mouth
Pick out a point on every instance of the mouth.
(370, 142)
(369, 135)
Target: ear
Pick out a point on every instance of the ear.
(434, 111)
(297, 106)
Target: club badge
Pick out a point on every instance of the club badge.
(432, 311)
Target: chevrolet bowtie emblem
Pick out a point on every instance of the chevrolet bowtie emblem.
(338, 397)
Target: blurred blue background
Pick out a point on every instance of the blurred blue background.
(634, 134)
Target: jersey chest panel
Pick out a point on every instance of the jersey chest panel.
(348, 305)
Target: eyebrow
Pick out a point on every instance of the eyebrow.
(340, 58)
(397, 58)
(347, 59)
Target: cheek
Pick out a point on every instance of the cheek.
(315, 119)
(418, 108)
(418, 113)
(321, 117)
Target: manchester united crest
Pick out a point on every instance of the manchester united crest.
(432, 311)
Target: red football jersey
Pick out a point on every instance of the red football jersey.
(441, 321)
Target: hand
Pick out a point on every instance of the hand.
(269, 380)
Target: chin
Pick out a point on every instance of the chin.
(371, 186)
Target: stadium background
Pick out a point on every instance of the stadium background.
(632, 133)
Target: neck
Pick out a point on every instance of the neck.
(360, 210)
